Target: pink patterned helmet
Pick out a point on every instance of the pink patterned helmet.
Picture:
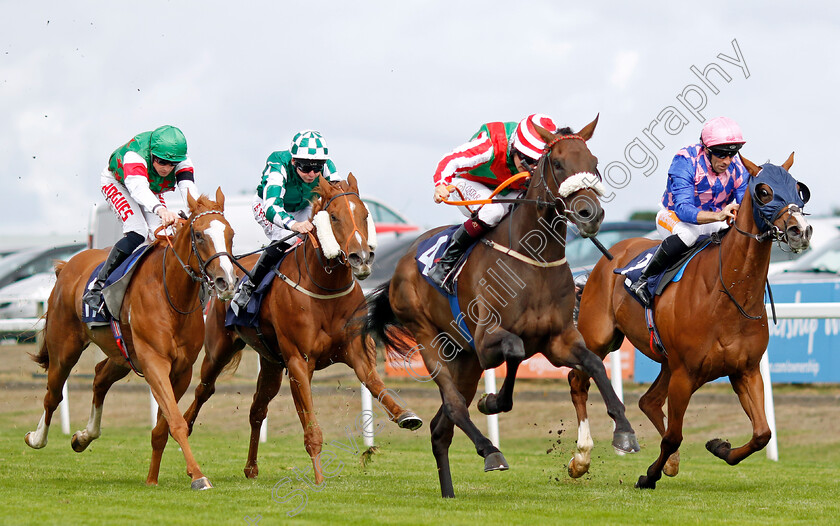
(526, 139)
(722, 130)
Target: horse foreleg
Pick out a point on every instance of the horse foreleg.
(513, 349)
(573, 353)
(651, 404)
(443, 429)
(217, 354)
(167, 387)
(579, 387)
(750, 390)
(679, 393)
(268, 385)
(108, 371)
(300, 377)
(363, 362)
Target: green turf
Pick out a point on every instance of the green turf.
(105, 484)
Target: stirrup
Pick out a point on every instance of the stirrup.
(93, 299)
(640, 289)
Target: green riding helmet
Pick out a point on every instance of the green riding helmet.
(309, 144)
(168, 143)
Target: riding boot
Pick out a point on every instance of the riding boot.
(93, 296)
(441, 270)
(671, 249)
(270, 256)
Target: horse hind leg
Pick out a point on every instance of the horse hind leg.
(442, 431)
(108, 371)
(750, 390)
(59, 354)
(581, 460)
(513, 349)
(268, 385)
(651, 404)
(363, 362)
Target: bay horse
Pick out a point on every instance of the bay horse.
(305, 322)
(712, 322)
(161, 322)
(517, 305)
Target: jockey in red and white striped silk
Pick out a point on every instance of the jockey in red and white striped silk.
(497, 152)
(138, 174)
(706, 183)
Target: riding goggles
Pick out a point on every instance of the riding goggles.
(309, 166)
(163, 162)
(728, 151)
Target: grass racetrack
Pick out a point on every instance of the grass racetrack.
(105, 483)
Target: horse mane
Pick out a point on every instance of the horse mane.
(318, 204)
(565, 131)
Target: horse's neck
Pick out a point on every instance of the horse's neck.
(745, 260)
(177, 277)
(310, 265)
(538, 232)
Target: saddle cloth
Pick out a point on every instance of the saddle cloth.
(656, 284)
(114, 290)
(249, 316)
(430, 251)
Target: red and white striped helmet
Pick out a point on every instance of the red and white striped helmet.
(527, 140)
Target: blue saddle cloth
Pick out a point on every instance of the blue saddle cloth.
(429, 251)
(656, 284)
(249, 316)
(113, 295)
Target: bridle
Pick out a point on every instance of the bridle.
(203, 278)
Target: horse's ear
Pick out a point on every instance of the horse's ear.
(192, 203)
(589, 129)
(544, 134)
(220, 198)
(750, 166)
(324, 186)
(787, 164)
(351, 180)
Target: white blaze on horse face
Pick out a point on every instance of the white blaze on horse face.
(216, 233)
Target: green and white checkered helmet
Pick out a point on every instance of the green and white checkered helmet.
(309, 144)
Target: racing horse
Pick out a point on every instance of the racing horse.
(305, 322)
(161, 323)
(517, 304)
(712, 322)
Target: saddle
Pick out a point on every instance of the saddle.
(249, 316)
(114, 290)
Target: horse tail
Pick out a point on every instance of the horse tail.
(384, 325)
(58, 265)
(43, 356)
(233, 364)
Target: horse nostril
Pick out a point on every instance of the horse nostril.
(808, 232)
(221, 284)
(371, 257)
(354, 259)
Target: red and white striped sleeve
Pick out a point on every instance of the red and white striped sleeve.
(463, 159)
(137, 180)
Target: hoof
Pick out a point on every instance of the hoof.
(410, 421)
(482, 404)
(77, 446)
(645, 483)
(33, 446)
(251, 472)
(719, 448)
(495, 462)
(201, 484)
(625, 442)
(576, 471)
(672, 467)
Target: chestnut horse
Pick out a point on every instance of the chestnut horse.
(161, 322)
(712, 322)
(517, 305)
(303, 322)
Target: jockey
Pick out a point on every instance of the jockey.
(706, 183)
(138, 174)
(283, 202)
(497, 152)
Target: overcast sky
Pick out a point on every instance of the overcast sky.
(395, 85)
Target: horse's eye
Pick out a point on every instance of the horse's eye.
(333, 218)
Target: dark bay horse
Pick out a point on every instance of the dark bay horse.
(161, 323)
(514, 305)
(304, 322)
(712, 322)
